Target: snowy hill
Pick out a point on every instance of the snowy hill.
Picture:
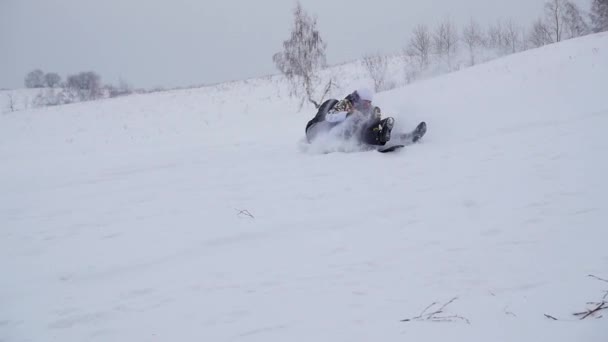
(12, 100)
(197, 215)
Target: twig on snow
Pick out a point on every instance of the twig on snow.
(599, 306)
(598, 278)
(435, 315)
(507, 312)
(244, 212)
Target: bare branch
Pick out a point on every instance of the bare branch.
(376, 66)
(601, 306)
(434, 316)
(598, 278)
(451, 319)
(448, 303)
(328, 87)
(551, 317)
(507, 312)
(244, 212)
(598, 306)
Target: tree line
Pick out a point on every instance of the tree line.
(303, 56)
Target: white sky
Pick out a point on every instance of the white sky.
(184, 42)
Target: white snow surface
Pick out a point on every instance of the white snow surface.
(200, 215)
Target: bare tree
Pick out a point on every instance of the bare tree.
(506, 37)
(445, 40)
(122, 89)
(511, 41)
(473, 38)
(47, 97)
(419, 46)
(411, 68)
(562, 20)
(303, 56)
(554, 15)
(599, 15)
(11, 103)
(539, 34)
(52, 79)
(86, 85)
(34, 79)
(575, 25)
(376, 66)
(495, 36)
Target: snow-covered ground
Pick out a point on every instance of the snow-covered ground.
(198, 215)
(12, 100)
(400, 70)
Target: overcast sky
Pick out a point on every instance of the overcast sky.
(170, 43)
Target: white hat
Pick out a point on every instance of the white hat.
(365, 94)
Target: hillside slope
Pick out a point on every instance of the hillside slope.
(196, 215)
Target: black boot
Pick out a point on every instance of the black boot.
(386, 126)
(377, 132)
(419, 131)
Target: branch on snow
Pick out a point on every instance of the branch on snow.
(597, 306)
(244, 212)
(437, 314)
(598, 278)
